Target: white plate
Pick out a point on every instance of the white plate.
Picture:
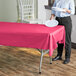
(51, 23)
(58, 9)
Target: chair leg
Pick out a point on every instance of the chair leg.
(41, 61)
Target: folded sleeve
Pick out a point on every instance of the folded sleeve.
(52, 11)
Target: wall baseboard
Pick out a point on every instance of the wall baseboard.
(73, 45)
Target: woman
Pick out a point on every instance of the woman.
(64, 19)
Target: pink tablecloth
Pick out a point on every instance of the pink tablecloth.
(31, 35)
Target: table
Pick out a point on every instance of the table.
(32, 36)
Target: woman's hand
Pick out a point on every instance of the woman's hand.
(52, 16)
(66, 10)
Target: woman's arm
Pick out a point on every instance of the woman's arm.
(66, 10)
(52, 11)
(52, 16)
(71, 9)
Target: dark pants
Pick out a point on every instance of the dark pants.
(67, 23)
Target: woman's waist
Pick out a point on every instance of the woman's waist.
(63, 17)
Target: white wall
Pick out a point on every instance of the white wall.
(43, 14)
(8, 10)
(73, 28)
(75, 2)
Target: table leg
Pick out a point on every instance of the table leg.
(41, 61)
(50, 59)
